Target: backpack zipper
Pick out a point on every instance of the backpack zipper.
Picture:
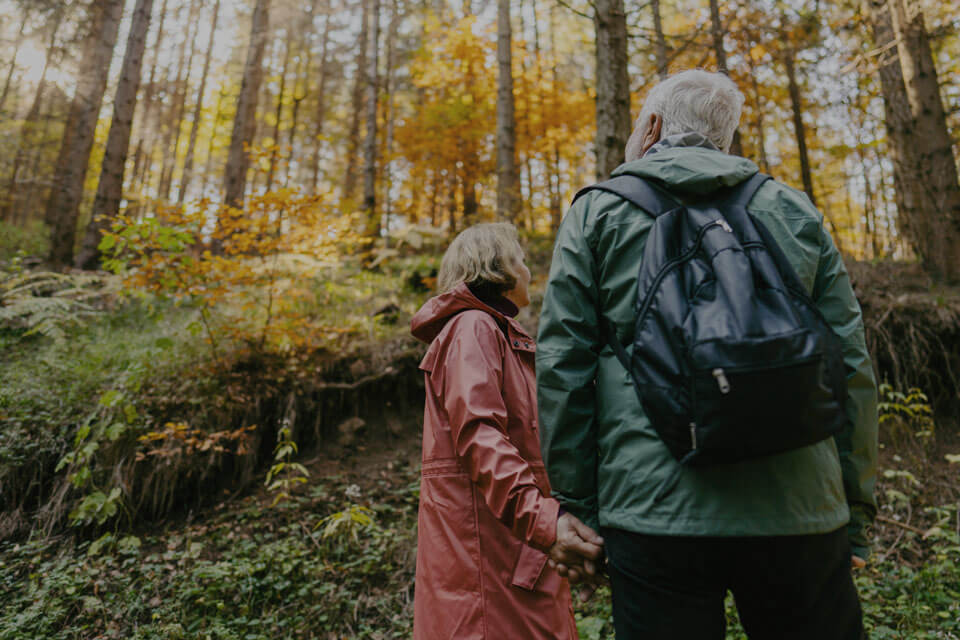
(693, 436)
(686, 255)
(722, 381)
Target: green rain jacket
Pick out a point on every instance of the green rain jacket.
(604, 460)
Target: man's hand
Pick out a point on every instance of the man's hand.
(577, 550)
(856, 562)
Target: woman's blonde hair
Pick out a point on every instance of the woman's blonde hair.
(482, 254)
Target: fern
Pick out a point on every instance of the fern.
(50, 303)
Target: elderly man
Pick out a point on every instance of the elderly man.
(781, 532)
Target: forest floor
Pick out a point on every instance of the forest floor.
(336, 560)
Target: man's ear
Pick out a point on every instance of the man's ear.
(652, 135)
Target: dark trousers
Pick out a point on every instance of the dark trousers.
(785, 587)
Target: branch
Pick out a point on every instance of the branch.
(389, 371)
(564, 4)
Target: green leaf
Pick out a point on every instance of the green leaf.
(110, 398)
(107, 243)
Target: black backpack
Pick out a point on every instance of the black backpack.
(731, 358)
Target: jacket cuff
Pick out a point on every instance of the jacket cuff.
(545, 529)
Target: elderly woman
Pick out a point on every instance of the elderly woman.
(486, 520)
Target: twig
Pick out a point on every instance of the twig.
(310, 535)
(905, 527)
(908, 527)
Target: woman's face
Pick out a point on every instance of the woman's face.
(520, 294)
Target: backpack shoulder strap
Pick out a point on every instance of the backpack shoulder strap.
(637, 191)
(741, 194)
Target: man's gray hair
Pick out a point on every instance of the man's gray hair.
(692, 101)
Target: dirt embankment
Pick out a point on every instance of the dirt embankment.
(912, 329)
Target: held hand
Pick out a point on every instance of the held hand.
(577, 549)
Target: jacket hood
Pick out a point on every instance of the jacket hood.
(433, 316)
(689, 163)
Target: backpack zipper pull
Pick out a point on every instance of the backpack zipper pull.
(693, 436)
(722, 381)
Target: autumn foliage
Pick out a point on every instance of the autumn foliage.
(246, 271)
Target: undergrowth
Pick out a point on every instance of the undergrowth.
(117, 415)
(250, 571)
(334, 560)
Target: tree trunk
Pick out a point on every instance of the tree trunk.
(321, 104)
(278, 113)
(106, 205)
(897, 117)
(390, 116)
(298, 96)
(506, 124)
(353, 135)
(13, 60)
(556, 206)
(208, 163)
(759, 126)
(180, 103)
(63, 208)
(25, 139)
(796, 107)
(662, 61)
(938, 242)
(613, 85)
(142, 158)
(716, 29)
(235, 174)
(370, 144)
(187, 176)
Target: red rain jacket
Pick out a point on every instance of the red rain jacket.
(486, 517)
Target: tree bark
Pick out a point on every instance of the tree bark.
(353, 135)
(556, 206)
(662, 61)
(13, 60)
(175, 130)
(142, 156)
(390, 115)
(796, 107)
(506, 135)
(187, 176)
(370, 143)
(208, 163)
(758, 125)
(613, 85)
(897, 117)
(321, 103)
(106, 205)
(938, 238)
(278, 113)
(717, 31)
(63, 208)
(238, 161)
(25, 138)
